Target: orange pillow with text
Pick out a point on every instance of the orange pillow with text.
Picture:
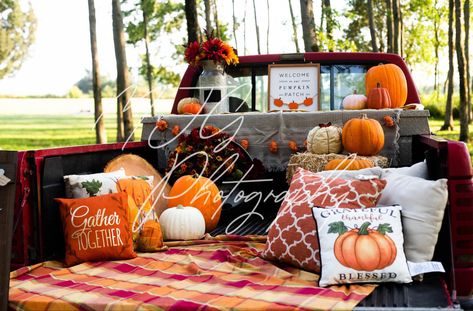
(96, 228)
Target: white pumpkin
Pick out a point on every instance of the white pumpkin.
(324, 139)
(182, 223)
(354, 101)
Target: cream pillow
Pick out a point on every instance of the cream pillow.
(83, 186)
(423, 204)
(352, 174)
(417, 170)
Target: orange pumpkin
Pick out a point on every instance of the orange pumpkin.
(245, 144)
(365, 249)
(278, 102)
(191, 108)
(273, 146)
(348, 164)
(162, 125)
(363, 136)
(378, 98)
(293, 105)
(388, 121)
(200, 193)
(308, 101)
(392, 78)
(176, 129)
(188, 101)
(293, 146)
(151, 237)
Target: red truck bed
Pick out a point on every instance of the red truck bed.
(37, 179)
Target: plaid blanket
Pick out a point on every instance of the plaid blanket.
(217, 274)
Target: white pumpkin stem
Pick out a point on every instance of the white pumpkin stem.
(180, 206)
(354, 92)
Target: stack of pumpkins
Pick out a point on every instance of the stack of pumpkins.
(362, 136)
(386, 87)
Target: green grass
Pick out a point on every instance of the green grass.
(22, 132)
(435, 125)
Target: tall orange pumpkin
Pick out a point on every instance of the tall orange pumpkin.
(363, 136)
(365, 249)
(391, 77)
(200, 193)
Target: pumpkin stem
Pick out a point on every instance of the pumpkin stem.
(378, 85)
(364, 228)
(321, 125)
(354, 91)
(180, 206)
(364, 116)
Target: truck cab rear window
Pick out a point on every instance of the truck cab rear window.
(336, 82)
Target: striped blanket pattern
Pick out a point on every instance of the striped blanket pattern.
(220, 274)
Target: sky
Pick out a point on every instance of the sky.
(61, 51)
(60, 55)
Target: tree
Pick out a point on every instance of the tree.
(235, 25)
(461, 61)
(308, 26)
(448, 121)
(397, 29)
(218, 31)
(17, 34)
(330, 23)
(357, 13)
(294, 28)
(374, 45)
(208, 13)
(146, 25)
(437, 19)
(192, 23)
(267, 29)
(466, 10)
(125, 129)
(86, 85)
(100, 134)
(257, 28)
(389, 26)
(244, 27)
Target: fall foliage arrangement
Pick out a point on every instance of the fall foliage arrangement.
(211, 49)
(205, 155)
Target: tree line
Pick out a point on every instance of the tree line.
(420, 31)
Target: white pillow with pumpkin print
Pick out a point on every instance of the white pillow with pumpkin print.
(83, 186)
(361, 245)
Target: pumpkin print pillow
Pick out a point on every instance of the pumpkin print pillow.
(292, 237)
(96, 228)
(361, 245)
(83, 186)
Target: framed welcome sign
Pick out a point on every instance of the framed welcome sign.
(294, 87)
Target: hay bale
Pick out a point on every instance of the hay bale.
(316, 162)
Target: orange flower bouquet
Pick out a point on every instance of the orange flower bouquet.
(211, 49)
